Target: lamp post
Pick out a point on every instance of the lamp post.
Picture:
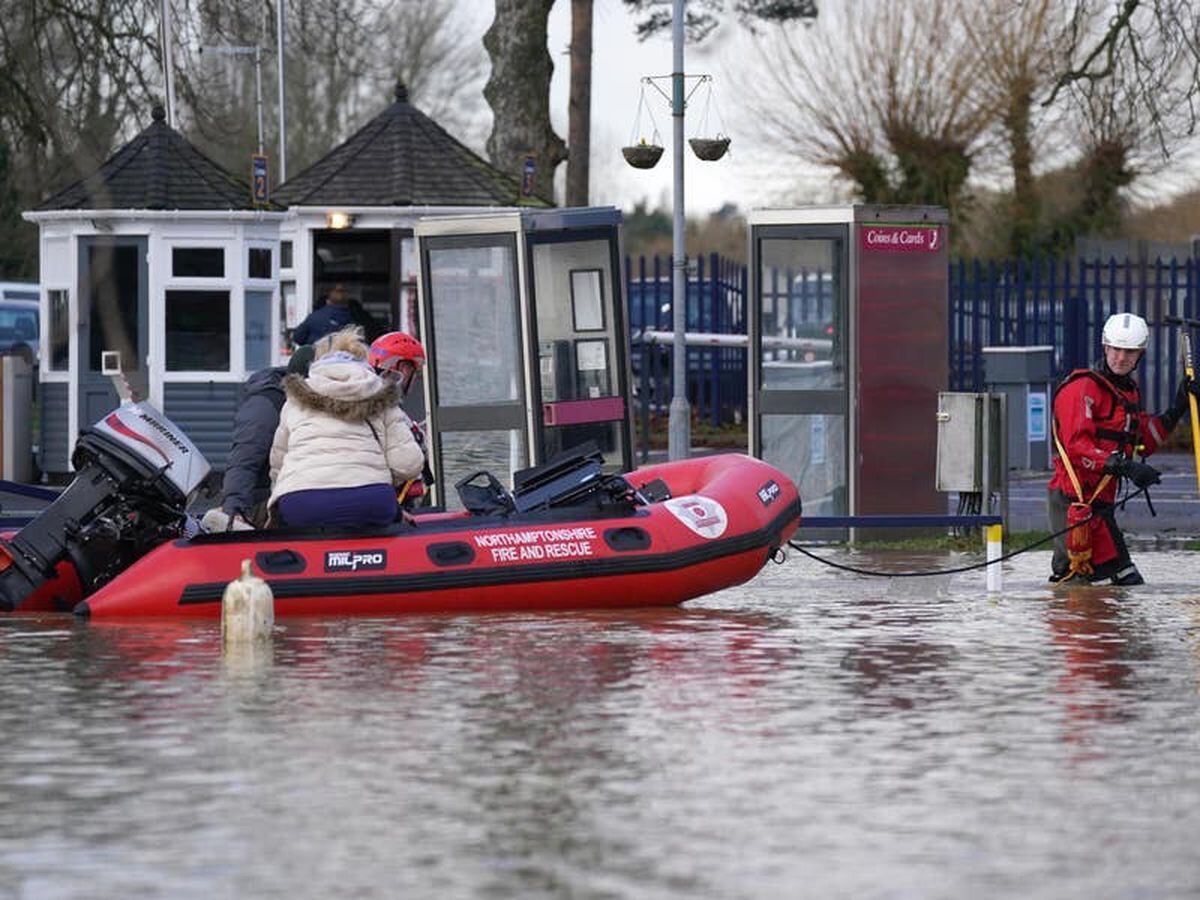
(644, 155)
(282, 106)
(168, 64)
(679, 427)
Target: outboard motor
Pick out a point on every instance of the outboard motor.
(136, 473)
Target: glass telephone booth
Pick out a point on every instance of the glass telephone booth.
(523, 317)
(848, 351)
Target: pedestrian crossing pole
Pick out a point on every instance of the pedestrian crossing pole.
(993, 536)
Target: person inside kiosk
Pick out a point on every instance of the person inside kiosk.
(1098, 427)
(339, 311)
(343, 444)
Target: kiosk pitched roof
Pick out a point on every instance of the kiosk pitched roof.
(158, 169)
(402, 158)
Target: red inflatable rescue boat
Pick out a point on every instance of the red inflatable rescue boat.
(118, 541)
(724, 517)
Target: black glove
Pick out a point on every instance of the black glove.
(1179, 407)
(1187, 387)
(1139, 473)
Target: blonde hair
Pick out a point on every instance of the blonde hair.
(349, 340)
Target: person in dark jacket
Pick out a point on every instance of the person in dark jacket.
(247, 482)
(338, 312)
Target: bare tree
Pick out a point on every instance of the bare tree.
(1017, 45)
(343, 60)
(1118, 88)
(519, 93)
(422, 45)
(703, 16)
(76, 76)
(579, 107)
(873, 91)
(1118, 143)
(1152, 45)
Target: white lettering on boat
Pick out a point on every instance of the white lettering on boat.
(538, 544)
(354, 560)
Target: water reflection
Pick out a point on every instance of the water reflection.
(1097, 635)
(809, 734)
(890, 653)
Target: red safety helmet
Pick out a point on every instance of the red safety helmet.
(395, 347)
(390, 351)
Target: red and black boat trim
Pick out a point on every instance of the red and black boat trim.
(766, 538)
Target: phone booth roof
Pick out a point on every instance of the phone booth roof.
(566, 218)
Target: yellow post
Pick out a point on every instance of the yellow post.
(1190, 373)
(994, 537)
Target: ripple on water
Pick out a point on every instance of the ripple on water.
(812, 733)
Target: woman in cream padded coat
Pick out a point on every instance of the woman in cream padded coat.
(342, 446)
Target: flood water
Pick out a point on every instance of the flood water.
(811, 734)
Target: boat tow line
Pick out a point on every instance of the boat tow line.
(957, 569)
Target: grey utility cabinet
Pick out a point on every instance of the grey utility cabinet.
(1024, 375)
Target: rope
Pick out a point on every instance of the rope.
(637, 136)
(710, 103)
(958, 569)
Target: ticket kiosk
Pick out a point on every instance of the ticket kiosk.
(522, 313)
(848, 351)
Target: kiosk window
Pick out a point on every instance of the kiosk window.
(260, 262)
(587, 299)
(60, 329)
(591, 369)
(258, 329)
(198, 262)
(285, 254)
(197, 331)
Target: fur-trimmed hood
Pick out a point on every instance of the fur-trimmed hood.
(344, 391)
(341, 427)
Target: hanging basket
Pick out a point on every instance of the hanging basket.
(709, 149)
(642, 156)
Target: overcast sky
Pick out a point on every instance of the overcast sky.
(751, 175)
(619, 60)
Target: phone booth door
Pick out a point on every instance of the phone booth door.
(582, 368)
(477, 399)
(799, 378)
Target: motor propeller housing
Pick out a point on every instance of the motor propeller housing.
(136, 473)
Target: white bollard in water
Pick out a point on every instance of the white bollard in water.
(993, 536)
(247, 608)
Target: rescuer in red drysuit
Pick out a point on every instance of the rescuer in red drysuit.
(1099, 425)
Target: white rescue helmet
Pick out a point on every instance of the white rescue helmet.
(1126, 331)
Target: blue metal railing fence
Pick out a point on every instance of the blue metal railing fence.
(1061, 303)
(716, 303)
(1064, 303)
